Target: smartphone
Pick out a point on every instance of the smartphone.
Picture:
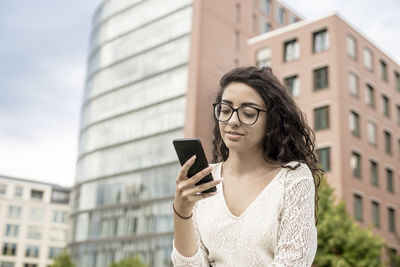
(187, 147)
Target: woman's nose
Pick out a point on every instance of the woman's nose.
(234, 120)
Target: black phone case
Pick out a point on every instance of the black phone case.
(187, 147)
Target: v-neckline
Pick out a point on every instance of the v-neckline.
(254, 201)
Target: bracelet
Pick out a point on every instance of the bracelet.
(180, 216)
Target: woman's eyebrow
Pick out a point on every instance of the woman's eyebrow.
(242, 104)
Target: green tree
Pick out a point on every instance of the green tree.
(341, 241)
(394, 257)
(63, 260)
(129, 262)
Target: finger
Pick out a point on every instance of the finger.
(185, 168)
(203, 187)
(200, 175)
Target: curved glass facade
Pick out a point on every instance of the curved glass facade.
(134, 106)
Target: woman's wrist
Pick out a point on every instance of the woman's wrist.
(180, 215)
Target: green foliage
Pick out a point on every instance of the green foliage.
(341, 241)
(393, 259)
(129, 262)
(63, 260)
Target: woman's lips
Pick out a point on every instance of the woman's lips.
(233, 134)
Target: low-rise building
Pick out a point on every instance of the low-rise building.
(33, 222)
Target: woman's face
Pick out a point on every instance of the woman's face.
(236, 135)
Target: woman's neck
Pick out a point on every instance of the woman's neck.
(241, 163)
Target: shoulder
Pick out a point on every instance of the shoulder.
(297, 172)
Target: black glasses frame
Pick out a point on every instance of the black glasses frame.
(237, 113)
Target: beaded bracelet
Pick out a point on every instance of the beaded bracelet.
(180, 216)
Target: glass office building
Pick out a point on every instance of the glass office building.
(134, 106)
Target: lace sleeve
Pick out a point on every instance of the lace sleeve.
(297, 239)
(200, 259)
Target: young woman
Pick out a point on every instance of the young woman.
(264, 210)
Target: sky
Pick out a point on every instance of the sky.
(43, 52)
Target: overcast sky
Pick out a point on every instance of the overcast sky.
(43, 53)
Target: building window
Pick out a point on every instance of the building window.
(34, 232)
(293, 85)
(6, 264)
(398, 144)
(374, 172)
(355, 164)
(375, 213)
(293, 19)
(280, 14)
(358, 207)
(392, 254)
(320, 41)
(54, 252)
(237, 40)
(265, 6)
(37, 214)
(389, 181)
(321, 118)
(32, 251)
(368, 59)
(385, 106)
(60, 196)
(57, 235)
(265, 26)
(30, 265)
(254, 23)
(9, 249)
(291, 49)
(36, 194)
(353, 84)
(3, 188)
(354, 123)
(370, 96)
(398, 114)
(351, 47)
(12, 230)
(388, 142)
(397, 81)
(237, 12)
(392, 220)
(18, 191)
(320, 78)
(371, 132)
(263, 57)
(59, 216)
(384, 75)
(324, 158)
(14, 212)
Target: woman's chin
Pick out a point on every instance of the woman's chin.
(235, 145)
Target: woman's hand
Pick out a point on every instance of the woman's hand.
(187, 193)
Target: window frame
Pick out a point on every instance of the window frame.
(318, 80)
(322, 126)
(358, 207)
(315, 34)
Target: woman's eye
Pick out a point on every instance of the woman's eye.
(225, 111)
(249, 114)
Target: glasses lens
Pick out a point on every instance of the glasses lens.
(222, 112)
(248, 115)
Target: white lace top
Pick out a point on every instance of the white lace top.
(277, 229)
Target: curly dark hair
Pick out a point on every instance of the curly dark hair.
(289, 136)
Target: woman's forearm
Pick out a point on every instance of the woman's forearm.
(185, 240)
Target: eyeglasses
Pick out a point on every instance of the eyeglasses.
(246, 114)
